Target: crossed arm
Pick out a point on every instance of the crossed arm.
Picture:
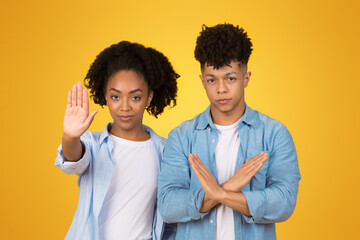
(228, 193)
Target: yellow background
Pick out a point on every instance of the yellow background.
(305, 72)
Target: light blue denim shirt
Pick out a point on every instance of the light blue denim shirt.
(94, 171)
(271, 194)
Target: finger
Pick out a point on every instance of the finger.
(196, 157)
(90, 118)
(193, 166)
(255, 169)
(68, 104)
(73, 96)
(252, 170)
(193, 162)
(198, 163)
(79, 94)
(259, 155)
(196, 167)
(264, 158)
(85, 100)
(201, 168)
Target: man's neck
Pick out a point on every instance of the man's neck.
(226, 118)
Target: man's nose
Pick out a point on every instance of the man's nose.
(221, 87)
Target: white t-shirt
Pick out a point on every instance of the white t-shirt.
(128, 209)
(226, 153)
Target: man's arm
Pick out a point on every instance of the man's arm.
(228, 193)
(177, 201)
(274, 203)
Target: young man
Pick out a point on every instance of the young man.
(207, 183)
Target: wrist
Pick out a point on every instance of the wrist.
(228, 186)
(70, 138)
(222, 195)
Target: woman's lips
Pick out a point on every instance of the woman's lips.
(125, 118)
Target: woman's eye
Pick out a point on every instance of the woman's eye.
(136, 98)
(114, 97)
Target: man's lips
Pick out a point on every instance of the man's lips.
(223, 100)
(125, 118)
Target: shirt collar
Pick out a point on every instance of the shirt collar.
(205, 120)
(106, 132)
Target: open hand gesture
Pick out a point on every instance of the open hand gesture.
(244, 174)
(77, 119)
(207, 180)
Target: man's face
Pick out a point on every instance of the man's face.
(225, 89)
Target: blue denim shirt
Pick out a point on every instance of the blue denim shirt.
(271, 194)
(94, 171)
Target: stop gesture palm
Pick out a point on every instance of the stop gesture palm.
(77, 119)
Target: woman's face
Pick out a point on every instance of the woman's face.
(127, 95)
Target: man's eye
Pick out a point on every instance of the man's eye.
(114, 97)
(210, 80)
(231, 78)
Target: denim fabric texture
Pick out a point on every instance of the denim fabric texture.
(271, 194)
(94, 171)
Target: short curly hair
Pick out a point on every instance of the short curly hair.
(219, 45)
(150, 63)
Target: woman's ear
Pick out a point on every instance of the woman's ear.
(151, 94)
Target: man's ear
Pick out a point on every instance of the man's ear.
(202, 80)
(247, 79)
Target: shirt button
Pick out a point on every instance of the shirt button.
(213, 140)
(211, 221)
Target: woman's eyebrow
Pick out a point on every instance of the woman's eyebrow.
(132, 91)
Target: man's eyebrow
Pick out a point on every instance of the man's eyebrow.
(229, 73)
(209, 75)
(132, 91)
(226, 74)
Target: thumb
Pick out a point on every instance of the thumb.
(90, 118)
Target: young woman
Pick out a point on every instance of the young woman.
(117, 168)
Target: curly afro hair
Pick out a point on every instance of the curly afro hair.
(153, 65)
(217, 46)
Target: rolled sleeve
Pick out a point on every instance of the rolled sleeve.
(197, 197)
(177, 200)
(277, 201)
(70, 167)
(256, 202)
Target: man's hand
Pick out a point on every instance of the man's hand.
(77, 119)
(244, 174)
(228, 193)
(207, 180)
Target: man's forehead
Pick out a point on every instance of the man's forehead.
(232, 67)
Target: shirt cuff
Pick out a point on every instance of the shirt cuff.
(73, 167)
(196, 200)
(256, 201)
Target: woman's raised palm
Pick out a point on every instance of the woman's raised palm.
(77, 119)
